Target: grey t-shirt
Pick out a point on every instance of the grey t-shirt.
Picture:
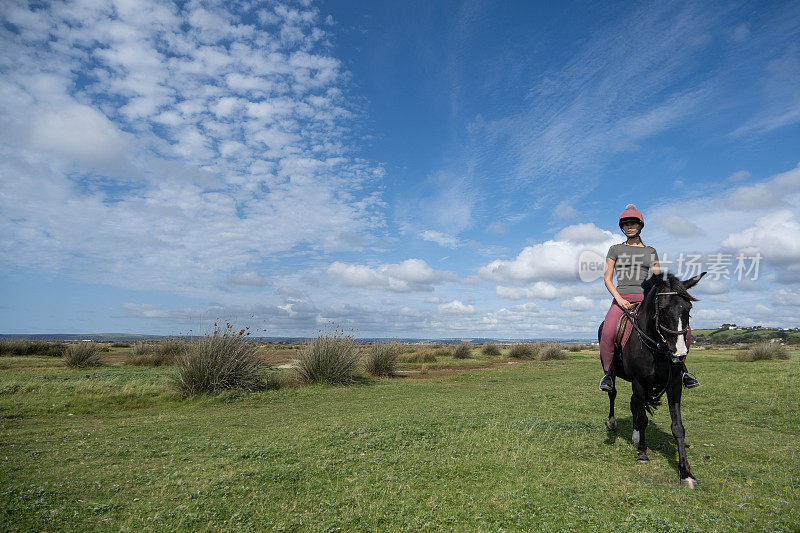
(632, 266)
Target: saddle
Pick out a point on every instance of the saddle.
(624, 328)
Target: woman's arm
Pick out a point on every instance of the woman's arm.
(608, 277)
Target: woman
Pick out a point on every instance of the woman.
(632, 262)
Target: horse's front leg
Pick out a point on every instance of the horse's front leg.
(674, 399)
(639, 421)
(611, 423)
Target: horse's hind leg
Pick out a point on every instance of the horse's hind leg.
(639, 423)
(611, 423)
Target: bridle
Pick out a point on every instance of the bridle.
(656, 346)
(660, 328)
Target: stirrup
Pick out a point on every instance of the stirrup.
(606, 384)
(689, 381)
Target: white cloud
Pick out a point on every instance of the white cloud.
(410, 275)
(564, 210)
(442, 239)
(149, 311)
(456, 307)
(497, 227)
(248, 279)
(578, 303)
(738, 176)
(174, 145)
(553, 260)
(79, 132)
(540, 290)
(586, 233)
(775, 236)
(788, 297)
(679, 226)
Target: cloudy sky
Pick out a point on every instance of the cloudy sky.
(422, 169)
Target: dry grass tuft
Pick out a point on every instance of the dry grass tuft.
(462, 351)
(330, 358)
(490, 348)
(382, 359)
(522, 350)
(552, 351)
(764, 351)
(221, 360)
(83, 354)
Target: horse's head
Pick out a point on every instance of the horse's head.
(672, 305)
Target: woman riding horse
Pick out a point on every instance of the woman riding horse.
(632, 262)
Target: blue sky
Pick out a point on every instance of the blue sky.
(424, 169)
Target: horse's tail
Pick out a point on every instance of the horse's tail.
(652, 401)
(653, 397)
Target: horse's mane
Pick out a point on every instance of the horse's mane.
(670, 282)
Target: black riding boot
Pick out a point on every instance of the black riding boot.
(688, 379)
(607, 383)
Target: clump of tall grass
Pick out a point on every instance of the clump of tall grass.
(82, 354)
(165, 352)
(218, 361)
(420, 356)
(330, 358)
(381, 359)
(120, 345)
(764, 351)
(28, 347)
(490, 348)
(462, 351)
(522, 350)
(551, 351)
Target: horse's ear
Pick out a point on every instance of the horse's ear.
(691, 282)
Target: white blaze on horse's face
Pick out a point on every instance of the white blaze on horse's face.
(680, 343)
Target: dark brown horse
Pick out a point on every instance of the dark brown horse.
(652, 360)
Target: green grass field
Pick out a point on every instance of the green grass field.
(516, 447)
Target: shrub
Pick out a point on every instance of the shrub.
(82, 354)
(221, 360)
(142, 348)
(440, 351)
(521, 350)
(551, 351)
(382, 359)
(764, 351)
(120, 345)
(576, 347)
(462, 351)
(151, 354)
(422, 356)
(27, 347)
(330, 358)
(490, 348)
(171, 348)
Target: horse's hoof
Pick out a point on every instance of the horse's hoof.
(689, 482)
(643, 458)
(611, 424)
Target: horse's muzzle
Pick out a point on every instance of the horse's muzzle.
(678, 358)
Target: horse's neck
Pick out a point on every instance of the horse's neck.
(645, 318)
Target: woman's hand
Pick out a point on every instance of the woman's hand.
(623, 303)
